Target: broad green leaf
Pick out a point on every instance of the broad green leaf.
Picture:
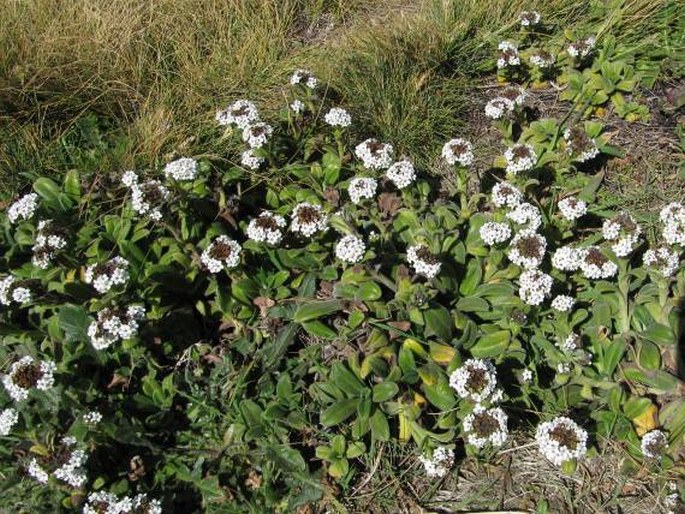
(319, 329)
(74, 322)
(380, 430)
(315, 310)
(384, 391)
(339, 412)
(438, 322)
(345, 379)
(491, 345)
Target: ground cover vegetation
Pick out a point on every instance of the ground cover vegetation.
(341, 257)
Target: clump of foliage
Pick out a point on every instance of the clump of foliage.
(232, 335)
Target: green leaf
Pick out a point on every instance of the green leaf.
(473, 304)
(380, 430)
(659, 334)
(339, 412)
(355, 449)
(384, 391)
(315, 310)
(491, 345)
(438, 322)
(473, 277)
(343, 377)
(319, 329)
(339, 468)
(635, 407)
(48, 190)
(245, 291)
(369, 292)
(649, 355)
(72, 184)
(273, 352)
(74, 322)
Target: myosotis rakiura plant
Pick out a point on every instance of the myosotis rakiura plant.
(228, 333)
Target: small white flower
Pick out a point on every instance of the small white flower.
(493, 233)
(307, 219)
(534, 286)
(458, 151)
(542, 59)
(304, 78)
(561, 440)
(338, 117)
(105, 276)
(572, 208)
(666, 261)
(563, 303)
(567, 258)
(267, 228)
(581, 48)
(222, 253)
(526, 214)
(595, 264)
(563, 368)
(654, 443)
(37, 472)
(240, 113)
(251, 161)
(498, 107)
(509, 55)
(142, 504)
(475, 380)
(26, 374)
(21, 294)
(8, 418)
(361, 188)
(114, 324)
(439, 464)
(520, 157)
(12, 290)
(504, 194)
(297, 106)
(673, 218)
(350, 249)
(423, 262)
(570, 343)
(579, 146)
(257, 134)
(48, 242)
(374, 155)
(485, 426)
(527, 249)
(624, 232)
(24, 208)
(526, 375)
(181, 169)
(515, 94)
(402, 173)
(129, 178)
(529, 18)
(72, 471)
(92, 417)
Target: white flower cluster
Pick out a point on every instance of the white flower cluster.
(350, 249)
(47, 243)
(250, 160)
(475, 380)
(534, 286)
(572, 208)
(529, 18)
(26, 374)
(666, 261)
(458, 151)
(493, 233)
(570, 343)
(240, 113)
(304, 78)
(527, 249)
(257, 134)
(402, 173)
(24, 208)
(439, 464)
(563, 303)
(515, 94)
(509, 55)
(266, 228)
(11, 290)
(498, 107)
(520, 157)
(307, 219)
(526, 375)
(423, 262)
(566, 258)
(361, 188)
(526, 214)
(181, 169)
(146, 198)
(107, 275)
(504, 194)
(102, 502)
(624, 231)
(561, 440)
(374, 155)
(542, 59)
(563, 367)
(595, 264)
(72, 471)
(8, 418)
(582, 48)
(673, 218)
(113, 324)
(297, 106)
(222, 253)
(653, 444)
(672, 500)
(338, 117)
(92, 417)
(37, 472)
(485, 426)
(579, 146)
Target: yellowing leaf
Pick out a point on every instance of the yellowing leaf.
(415, 347)
(441, 354)
(419, 400)
(646, 421)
